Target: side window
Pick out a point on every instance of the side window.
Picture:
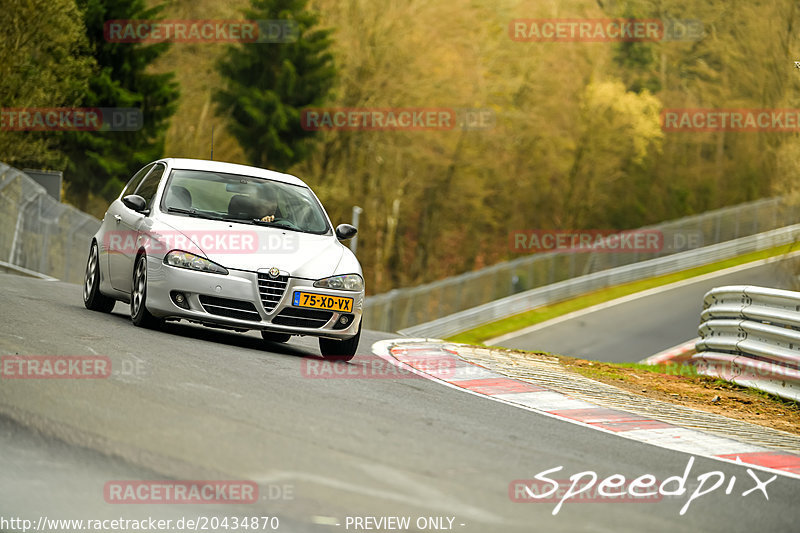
(149, 186)
(136, 180)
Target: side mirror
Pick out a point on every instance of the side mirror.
(345, 231)
(135, 202)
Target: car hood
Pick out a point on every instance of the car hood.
(253, 248)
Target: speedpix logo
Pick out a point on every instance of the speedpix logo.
(585, 486)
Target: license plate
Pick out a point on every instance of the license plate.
(321, 301)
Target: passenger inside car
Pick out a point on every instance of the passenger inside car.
(245, 207)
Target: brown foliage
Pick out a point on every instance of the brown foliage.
(575, 144)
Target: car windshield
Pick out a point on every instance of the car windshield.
(246, 199)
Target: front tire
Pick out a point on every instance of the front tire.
(340, 350)
(139, 314)
(92, 297)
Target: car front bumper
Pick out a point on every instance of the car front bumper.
(235, 301)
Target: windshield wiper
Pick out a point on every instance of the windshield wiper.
(285, 224)
(280, 223)
(192, 213)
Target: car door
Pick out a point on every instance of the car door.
(114, 238)
(128, 223)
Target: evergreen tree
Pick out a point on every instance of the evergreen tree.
(638, 60)
(101, 162)
(267, 85)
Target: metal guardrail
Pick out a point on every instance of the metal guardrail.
(39, 233)
(751, 336)
(512, 305)
(402, 309)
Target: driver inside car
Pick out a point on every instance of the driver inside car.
(269, 206)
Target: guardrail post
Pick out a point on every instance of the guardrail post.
(45, 240)
(354, 241)
(17, 230)
(68, 264)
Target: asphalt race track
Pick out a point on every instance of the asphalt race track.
(191, 403)
(633, 330)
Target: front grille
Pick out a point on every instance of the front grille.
(230, 308)
(303, 318)
(271, 290)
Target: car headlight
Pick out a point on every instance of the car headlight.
(345, 282)
(180, 259)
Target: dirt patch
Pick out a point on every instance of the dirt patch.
(680, 384)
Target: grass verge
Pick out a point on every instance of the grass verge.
(514, 323)
(681, 384)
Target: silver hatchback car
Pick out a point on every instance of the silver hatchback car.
(227, 246)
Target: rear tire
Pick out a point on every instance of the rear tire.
(271, 336)
(340, 350)
(139, 314)
(92, 297)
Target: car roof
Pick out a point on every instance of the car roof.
(231, 168)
